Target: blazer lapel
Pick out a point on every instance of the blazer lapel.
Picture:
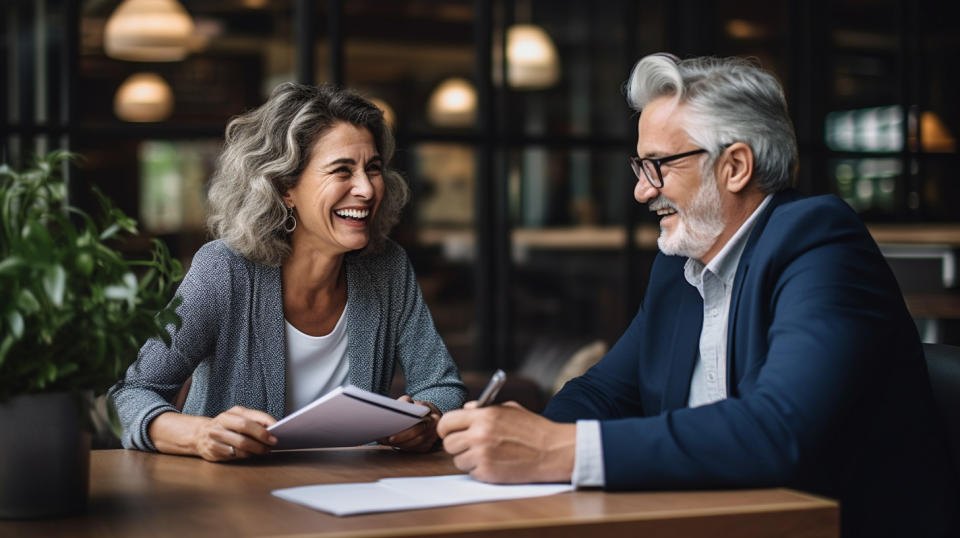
(686, 340)
(736, 367)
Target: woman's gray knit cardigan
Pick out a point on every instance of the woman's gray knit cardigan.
(233, 341)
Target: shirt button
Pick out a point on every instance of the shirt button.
(710, 376)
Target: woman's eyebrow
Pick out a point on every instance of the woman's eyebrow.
(351, 162)
(342, 160)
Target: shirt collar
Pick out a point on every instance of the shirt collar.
(725, 263)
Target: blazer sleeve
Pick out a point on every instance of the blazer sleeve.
(829, 307)
(428, 368)
(155, 377)
(608, 389)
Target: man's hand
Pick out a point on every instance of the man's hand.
(508, 444)
(421, 436)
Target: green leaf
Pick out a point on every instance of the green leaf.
(54, 284)
(15, 319)
(9, 265)
(28, 302)
(84, 262)
(124, 291)
(5, 346)
(50, 372)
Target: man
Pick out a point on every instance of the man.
(773, 347)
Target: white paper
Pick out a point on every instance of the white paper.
(347, 416)
(391, 494)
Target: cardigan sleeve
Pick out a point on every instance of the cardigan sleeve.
(427, 365)
(154, 379)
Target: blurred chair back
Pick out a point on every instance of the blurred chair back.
(943, 364)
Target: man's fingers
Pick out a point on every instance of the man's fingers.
(464, 462)
(456, 420)
(456, 443)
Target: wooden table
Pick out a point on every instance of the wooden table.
(138, 494)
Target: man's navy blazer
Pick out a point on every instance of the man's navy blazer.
(826, 380)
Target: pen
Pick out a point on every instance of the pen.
(492, 388)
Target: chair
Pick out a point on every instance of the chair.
(943, 365)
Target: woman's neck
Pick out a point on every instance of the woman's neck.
(312, 278)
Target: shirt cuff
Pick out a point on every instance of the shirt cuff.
(588, 458)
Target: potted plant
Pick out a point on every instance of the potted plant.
(73, 313)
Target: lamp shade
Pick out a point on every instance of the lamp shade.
(144, 97)
(148, 31)
(453, 103)
(532, 61)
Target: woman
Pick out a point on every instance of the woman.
(300, 293)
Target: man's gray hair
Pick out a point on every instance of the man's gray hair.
(267, 150)
(727, 100)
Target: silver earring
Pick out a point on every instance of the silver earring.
(290, 223)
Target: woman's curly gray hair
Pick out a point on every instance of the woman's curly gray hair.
(267, 150)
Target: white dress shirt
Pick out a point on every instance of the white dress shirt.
(708, 384)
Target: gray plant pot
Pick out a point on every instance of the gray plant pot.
(44, 456)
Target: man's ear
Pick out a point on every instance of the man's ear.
(735, 167)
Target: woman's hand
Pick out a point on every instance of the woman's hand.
(421, 436)
(234, 434)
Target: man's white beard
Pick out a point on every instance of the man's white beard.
(698, 226)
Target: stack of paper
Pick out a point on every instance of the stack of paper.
(391, 494)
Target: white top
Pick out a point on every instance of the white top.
(315, 364)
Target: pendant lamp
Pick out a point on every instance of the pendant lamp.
(532, 62)
(148, 31)
(453, 103)
(144, 97)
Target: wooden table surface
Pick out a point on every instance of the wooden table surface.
(138, 494)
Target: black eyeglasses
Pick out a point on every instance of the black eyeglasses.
(650, 168)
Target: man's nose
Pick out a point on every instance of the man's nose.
(643, 191)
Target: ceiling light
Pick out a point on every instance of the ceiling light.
(532, 61)
(144, 97)
(744, 29)
(453, 103)
(149, 31)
